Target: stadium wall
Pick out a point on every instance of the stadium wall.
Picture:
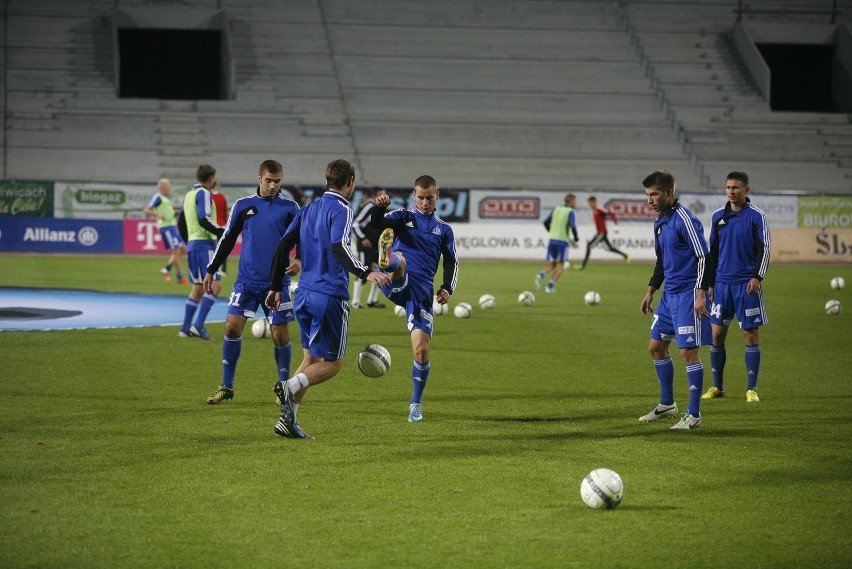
(40, 216)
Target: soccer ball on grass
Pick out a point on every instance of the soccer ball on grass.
(837, 283)
(833, 307)
(487, 301)
(592, 297)
(602, 489)
(526, 298)
(462, 310)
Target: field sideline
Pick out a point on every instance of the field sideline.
(112, 458)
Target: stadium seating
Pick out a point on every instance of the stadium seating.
(542, 94)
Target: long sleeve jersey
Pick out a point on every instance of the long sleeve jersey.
(323, 232)
(739, 244)
(681, 251)
(423, 238)
(262, 223)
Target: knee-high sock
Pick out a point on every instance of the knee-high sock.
(718, 356)
(231, 348)
(752, 363)
(204, 307)
(419, 377)
(665, 374)
(283, 355)
(695, 381)
(188, 312)
(374, 293)
(356, 291)
(393, 264)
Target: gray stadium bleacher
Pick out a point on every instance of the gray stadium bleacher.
(539, 94)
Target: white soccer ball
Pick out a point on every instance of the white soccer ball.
(293, 286)
(374, 360)
(602, 489)
(462, 310)
(399, 311)
(260, 328)
(592, 297)
(837, 283)
(526, 298)
(487, 302)
(439, 309)
(833, 307)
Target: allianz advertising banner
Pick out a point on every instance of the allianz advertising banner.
(43, 235)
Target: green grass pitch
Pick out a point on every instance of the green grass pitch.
(110, 457)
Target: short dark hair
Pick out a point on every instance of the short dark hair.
(271, 166)
(205, 172)
(741, 176)
(338, 173)
(662, 179)
(425, 181)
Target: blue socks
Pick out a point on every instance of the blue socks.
(231, 348)
(695, 380)
(188, 312)
(283, 354)
(718, 355)
(204, 307)
(393, 263)
(752, 364)
(665, 374)
(419, 377)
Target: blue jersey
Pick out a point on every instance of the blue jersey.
(423, 239)
(739, 244)
(262, 223)
(323, 230)
(681, 251)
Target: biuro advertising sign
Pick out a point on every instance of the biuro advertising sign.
(26, 199)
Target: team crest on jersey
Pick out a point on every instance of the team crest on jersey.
(436, 230)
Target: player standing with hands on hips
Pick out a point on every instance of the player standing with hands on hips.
(410, 246)
(682, 312)
(739, 257)
(323, 232)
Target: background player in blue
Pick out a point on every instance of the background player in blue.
(559, 224)
(199, 213)
(422, 238)
(739, 258)
(161, 208)
(323, 231)
(682, 312)
(262, 219)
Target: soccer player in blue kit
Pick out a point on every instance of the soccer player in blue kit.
(323, 232)
(739, 257)
(262, 219)
(409, 249)
(682, 313)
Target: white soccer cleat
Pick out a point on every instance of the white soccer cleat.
(659, 412)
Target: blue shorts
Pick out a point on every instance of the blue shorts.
(731, 300)
(323, 323)
(247, 297)
(416, 297)
(675, 319)
(171, 237)
(198, 261)
(557, 251)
